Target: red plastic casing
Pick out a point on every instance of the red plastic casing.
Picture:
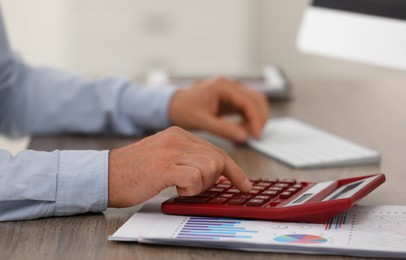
(312, 211)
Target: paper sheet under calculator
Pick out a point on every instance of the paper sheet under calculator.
(375, 231)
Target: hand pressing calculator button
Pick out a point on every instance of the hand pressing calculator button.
(278, 200)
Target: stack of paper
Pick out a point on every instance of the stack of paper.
(376, 231)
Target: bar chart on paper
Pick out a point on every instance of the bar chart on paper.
(186, 229)
(213, 229)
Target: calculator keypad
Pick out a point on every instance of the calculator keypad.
(264, 192)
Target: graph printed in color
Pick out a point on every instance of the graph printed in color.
(300, 239)
(336, 222)
(214, 229)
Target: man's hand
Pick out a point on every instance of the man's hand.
(173, 157)
(203, 105)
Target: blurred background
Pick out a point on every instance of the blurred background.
(186, 37)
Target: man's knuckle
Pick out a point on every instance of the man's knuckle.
(213, 166)
(194, 176)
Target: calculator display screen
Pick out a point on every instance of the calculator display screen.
(310, 193)
(302, 198)
(348, 190)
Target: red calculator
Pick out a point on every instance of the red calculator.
(277, 200)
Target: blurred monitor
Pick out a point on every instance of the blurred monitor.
(368, 31)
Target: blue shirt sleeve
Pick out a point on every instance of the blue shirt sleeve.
(46, 101)
(37, 184)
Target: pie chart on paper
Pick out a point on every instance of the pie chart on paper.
(300, 239)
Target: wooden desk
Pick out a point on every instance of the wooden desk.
(370, 112)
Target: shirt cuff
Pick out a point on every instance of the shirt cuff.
(82, 182)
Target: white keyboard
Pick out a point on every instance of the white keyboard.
(303, 146)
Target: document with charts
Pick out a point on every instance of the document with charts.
(371, 231)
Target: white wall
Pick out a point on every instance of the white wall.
(129, 37)
(183, 36)
(37, 30)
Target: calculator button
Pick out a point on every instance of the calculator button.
(258, 187)
(226, 195)
(271, 193)
(289, 181)
(208, 194)
(243, 196)
(264, 184)
(237, 201)
(218, 200)
(233, 190)
(255, 202)
(276, 188)
(263, 197)
(285, 194)
(297, 186)
(271, 180)
(254, 192)
(218, 190)
(223, 185)
(282, 185)
(293, 190)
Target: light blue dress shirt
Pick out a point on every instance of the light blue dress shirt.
(36, 184)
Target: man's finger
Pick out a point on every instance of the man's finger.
(209, 163)
(248, 109)
(231, 170)
(187, 180)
